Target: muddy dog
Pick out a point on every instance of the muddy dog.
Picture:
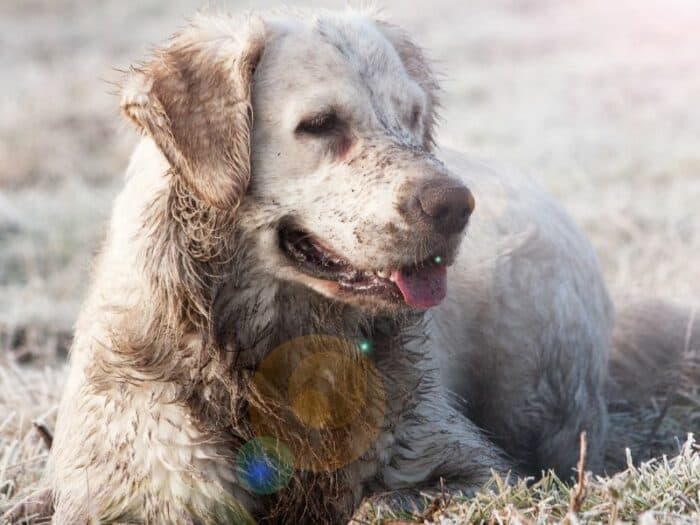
(282, 321)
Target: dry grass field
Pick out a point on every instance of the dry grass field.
(598, 100)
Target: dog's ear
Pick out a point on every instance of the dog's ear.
(194, 100)
(418, 66)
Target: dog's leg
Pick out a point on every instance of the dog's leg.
(125, 453)
(435, 447)
(107, 464)
(438, 453)
(435, 442)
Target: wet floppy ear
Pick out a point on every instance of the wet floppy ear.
(418, 67)
(193, 98)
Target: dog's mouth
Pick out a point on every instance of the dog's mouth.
(419, 286)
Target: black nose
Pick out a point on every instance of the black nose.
(445, 204)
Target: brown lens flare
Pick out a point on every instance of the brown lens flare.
(320, 396)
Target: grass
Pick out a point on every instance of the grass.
(659, 481)
(26, 396)
(658, 491)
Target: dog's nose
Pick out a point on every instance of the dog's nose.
(446, 205)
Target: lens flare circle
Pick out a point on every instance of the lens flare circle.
(264, 465)
(332, 387)
(365, 346)
(323, 397)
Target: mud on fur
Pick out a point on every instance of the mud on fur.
(254, 123)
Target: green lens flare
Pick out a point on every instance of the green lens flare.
(365, 346)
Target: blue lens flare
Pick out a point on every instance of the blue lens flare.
(264, 465)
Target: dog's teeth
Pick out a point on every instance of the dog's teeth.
(384, 274)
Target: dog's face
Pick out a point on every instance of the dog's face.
(340, 165)
(344, 196)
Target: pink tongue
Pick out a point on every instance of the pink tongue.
(422, 287)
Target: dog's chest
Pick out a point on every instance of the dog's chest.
(323, 418)
(328, 419)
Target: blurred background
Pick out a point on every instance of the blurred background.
(598, 100)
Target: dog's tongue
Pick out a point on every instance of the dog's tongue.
(422, 286)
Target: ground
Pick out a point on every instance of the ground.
(598, 100)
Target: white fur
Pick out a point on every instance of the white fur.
(526, 321)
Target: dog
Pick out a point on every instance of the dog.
(301, 301)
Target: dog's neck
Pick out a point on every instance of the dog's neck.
(255, 317)
(254, 313)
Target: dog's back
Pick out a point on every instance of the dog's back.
(526, 335)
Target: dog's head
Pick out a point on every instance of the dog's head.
(316, 134)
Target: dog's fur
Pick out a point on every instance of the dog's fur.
(191, 292)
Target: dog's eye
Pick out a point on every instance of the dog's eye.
(319, 125)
